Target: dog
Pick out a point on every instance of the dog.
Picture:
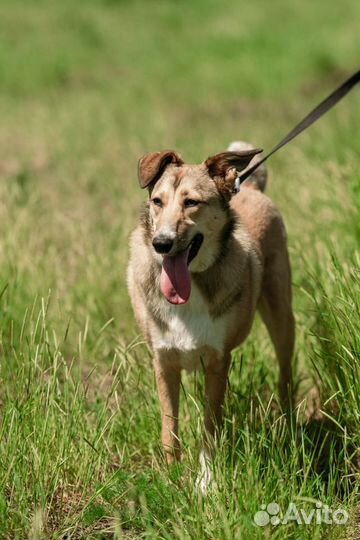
(203, 260)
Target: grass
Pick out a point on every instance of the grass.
(87, 88)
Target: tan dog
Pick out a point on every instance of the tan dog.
(203, 260)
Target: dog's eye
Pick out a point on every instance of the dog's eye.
(157, 201)
(188, 203)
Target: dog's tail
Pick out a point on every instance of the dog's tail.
(258, 179)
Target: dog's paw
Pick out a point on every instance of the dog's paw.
(205, 479)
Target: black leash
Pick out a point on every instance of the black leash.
(327, 104)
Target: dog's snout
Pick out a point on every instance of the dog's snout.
(162, 244)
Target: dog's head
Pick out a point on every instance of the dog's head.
(188, 212)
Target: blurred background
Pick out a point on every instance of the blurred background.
(86, 88)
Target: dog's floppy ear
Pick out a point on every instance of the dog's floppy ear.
(152, 166)
(224, 167)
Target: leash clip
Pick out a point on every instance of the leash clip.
(237, 184)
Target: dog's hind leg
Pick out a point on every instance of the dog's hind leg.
(276, 312)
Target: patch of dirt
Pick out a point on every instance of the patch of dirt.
(102, 385)
(354, 531)
(66, 501)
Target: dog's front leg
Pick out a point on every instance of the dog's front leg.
(168, 379)
(216, 374)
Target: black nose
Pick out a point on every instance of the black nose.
(162, 244)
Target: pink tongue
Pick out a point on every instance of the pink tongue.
(175, 280)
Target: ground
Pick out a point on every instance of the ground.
(86, 89)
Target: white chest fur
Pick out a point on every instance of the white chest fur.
(189, 328)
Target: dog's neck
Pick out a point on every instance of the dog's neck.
(216, 284)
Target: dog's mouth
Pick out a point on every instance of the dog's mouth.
(175, 280)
